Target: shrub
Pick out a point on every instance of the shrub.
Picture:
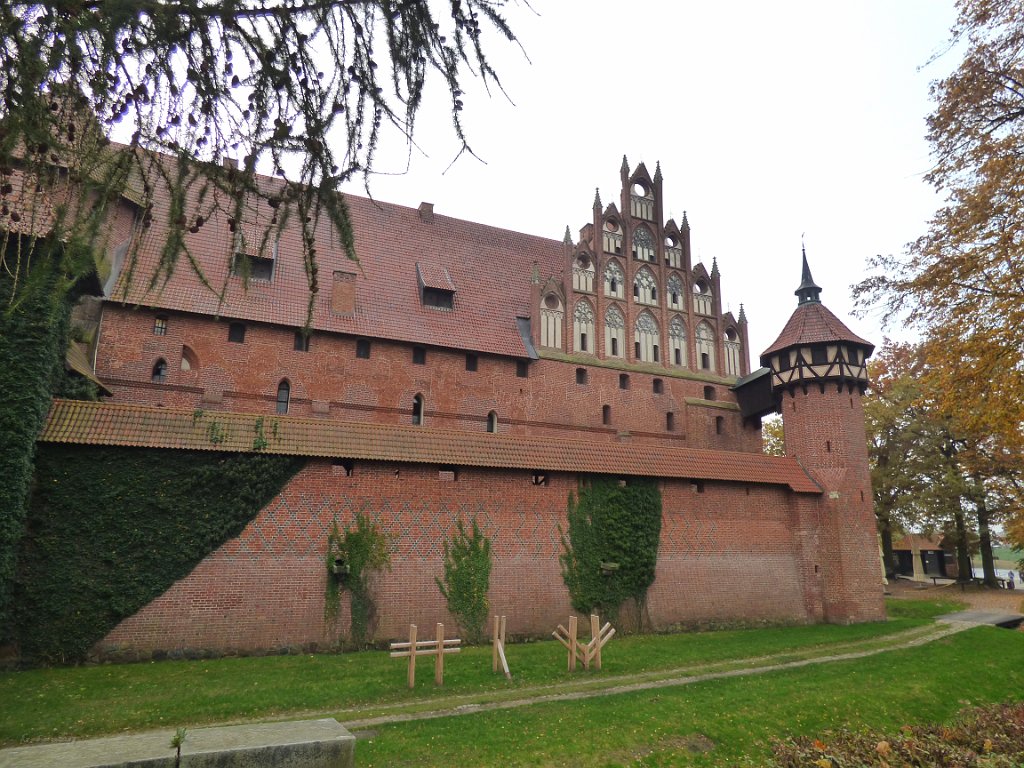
(610, 550)
(991, 736)
(352, 559)
(467, 577)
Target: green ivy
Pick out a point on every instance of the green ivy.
(352, 559)
(467, 578)
(110, 529)
(33, 338)
(610, 550)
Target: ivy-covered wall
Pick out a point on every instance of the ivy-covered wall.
(35, 306)
(110, 529)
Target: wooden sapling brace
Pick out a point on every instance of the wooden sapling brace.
(498, 647)
(436, 648)
(585, 652)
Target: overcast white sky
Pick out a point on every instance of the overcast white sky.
(770, 119)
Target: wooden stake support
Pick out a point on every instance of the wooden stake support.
(436, 648)
(498, 647)
(589, 653)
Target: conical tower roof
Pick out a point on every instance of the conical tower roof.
(812, 322)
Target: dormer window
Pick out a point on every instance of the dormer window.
(250, 267)
(436, 287)
(435, 297)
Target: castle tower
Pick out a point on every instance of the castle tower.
(818, 375)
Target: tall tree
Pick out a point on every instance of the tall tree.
(962, 282)
(205, 93)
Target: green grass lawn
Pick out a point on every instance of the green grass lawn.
(668, 726)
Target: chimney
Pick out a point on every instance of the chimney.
(427, 212)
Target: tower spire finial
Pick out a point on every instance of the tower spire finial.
(567, 238)
(597, 198)
(808, 291)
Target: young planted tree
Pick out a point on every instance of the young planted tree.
(353, 559)
(467, 578)
(610, 547)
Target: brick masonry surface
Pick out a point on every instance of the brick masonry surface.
(330, 381)
(728, 553)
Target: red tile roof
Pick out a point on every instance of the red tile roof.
(491, 268)
(147, 427)
(912, 541)
(813, 323)
(434, 276)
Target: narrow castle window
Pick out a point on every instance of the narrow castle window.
(419, 356)
(492, 421)
(471, 362)
(658, 386)
(363, 348)
(623, 381)
(709, 393)
(581, 375)
(670, 421)
(236, 333)
(606, 414)
(160, 326)
(283, 395)
(539, 478)
(417, 410)
(301, 342)
(160, 371)
(719, 425)
(522, 369)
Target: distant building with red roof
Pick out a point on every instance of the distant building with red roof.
(459, 370)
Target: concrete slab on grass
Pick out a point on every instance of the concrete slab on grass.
(297, 744)
(985, 617)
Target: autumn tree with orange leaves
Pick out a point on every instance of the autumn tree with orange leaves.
(962, 282)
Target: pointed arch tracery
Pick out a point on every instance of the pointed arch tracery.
(675, 291)
(583, 273)
(614, 281)
(677, 342)
(732, 347)
(583, 327)
(645, 287)
(647, 342)
(614, 332)
(552, 317)
(705, 347)
(643, 244)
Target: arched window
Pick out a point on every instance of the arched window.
(643, 244)
(283, 395)
(677, 342)
(583, 327)
(552, 315)
(189, 360)
(732, 353)
(492, 421)
(645, 287)
(159, 371)
(614, 332)
(583, 273)
(703, 301)
(417, 410)
(705, 347)
(614, 281)
(606, 414)
(646, 339)
(675, 292)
